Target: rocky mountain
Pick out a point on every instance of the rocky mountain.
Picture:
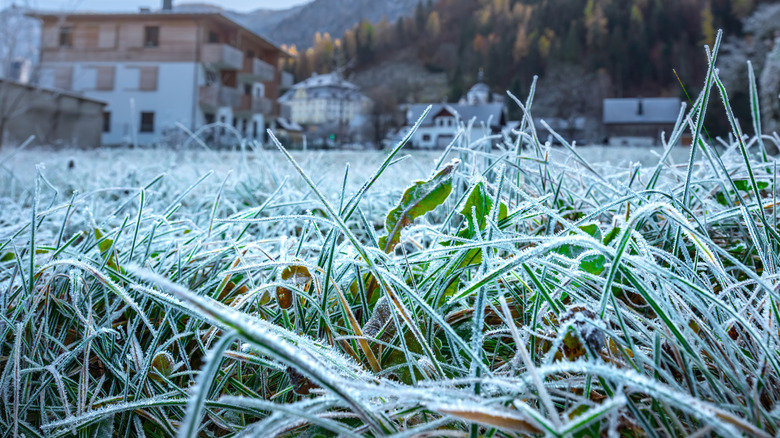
(299, 24)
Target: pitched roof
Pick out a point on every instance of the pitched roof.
(641, 111)
(481, 113)
(327, 80)
(53, 91)
(327, 86)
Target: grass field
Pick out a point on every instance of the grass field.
(525, 292)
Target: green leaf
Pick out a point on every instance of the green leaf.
(721, 198)
(744, 184)
(7, 257)
(420, 198)
(613, 233)
(103, 244)
(593, 264)
(592, 230)
(480, 203)
(477, 204)
(573, 251)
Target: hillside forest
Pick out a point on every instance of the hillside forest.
(621, 47)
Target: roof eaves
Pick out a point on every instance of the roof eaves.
(42, 14)
(54, 91)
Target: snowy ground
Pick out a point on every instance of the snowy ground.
(86, 170)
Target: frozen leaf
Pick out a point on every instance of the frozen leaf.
(284, 297)
(301, 384)
(420, 198)
(162, 366)
(491, 416)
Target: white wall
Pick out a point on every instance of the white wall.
(173, 101)
(434, 131)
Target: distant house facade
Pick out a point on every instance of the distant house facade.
(443, 121)
(52, 116)
(325, 99)
(639, 121)
(160, 69)
(486, 115)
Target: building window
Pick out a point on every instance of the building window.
(66, 36)
(210, 118)
(105, 78)
(106, 121)
(213, 37)
(147, 122)
(147, 79)
(426, 137)
(151, 36)
(254, 129)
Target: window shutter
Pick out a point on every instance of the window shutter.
(107, 37)
(91, 36)
(148, 79)
(105, 78)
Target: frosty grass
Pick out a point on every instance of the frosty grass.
(546, 295)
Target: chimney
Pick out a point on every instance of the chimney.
(167, 5)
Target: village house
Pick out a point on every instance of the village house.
(159, 69)
(484, 111)
(329, 107)
(439, 128)
(639, 121)
(325, 98)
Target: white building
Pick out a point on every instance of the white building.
(160, 69)
(323, 99)
(443, 121)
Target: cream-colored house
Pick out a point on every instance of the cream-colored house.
(159, 69)
(324, 99)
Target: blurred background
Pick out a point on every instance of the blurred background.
(357, 74)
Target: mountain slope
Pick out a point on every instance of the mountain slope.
(298, 25)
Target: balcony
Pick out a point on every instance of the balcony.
(257, 71)
(255, 105)
(216, 96)
(222, 56)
